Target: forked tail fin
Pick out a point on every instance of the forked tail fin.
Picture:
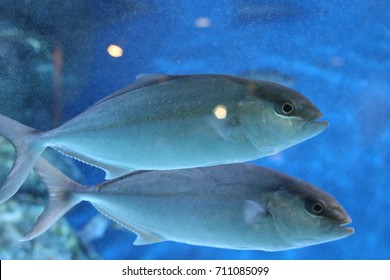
(62, 197)
(27, 147)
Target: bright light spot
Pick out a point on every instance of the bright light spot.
(115, 51)
(220, 112)
(337, 61)
(202, 22)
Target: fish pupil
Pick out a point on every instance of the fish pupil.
(287, 108)
(317, 208)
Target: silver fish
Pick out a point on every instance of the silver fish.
(169, 122)
(235, 206)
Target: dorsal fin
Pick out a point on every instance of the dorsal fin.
(142, 80)
(149, 78)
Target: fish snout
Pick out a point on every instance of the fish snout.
(318, 115)
(315, 124)
(342, 219)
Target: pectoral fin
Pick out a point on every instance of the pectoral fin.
(226, 128)
(253, 212)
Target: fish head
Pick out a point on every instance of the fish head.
(274, 117)
(304, 215)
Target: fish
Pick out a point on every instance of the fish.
(164, 122)
(233, 206)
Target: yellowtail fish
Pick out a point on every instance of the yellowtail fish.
(235, 206)
(168, 122)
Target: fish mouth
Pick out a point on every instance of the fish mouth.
(316, 123)
(322, 123)
(315, 120)
(341, 225)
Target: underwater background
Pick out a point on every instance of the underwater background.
(54, 64)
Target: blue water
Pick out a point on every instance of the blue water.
(335, 52)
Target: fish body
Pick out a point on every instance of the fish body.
(235, 206)
(170, 122)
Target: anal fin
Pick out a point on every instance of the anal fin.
(111, 170)
(144, 237)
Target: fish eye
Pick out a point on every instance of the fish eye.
(287, 108)
(315, 207)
